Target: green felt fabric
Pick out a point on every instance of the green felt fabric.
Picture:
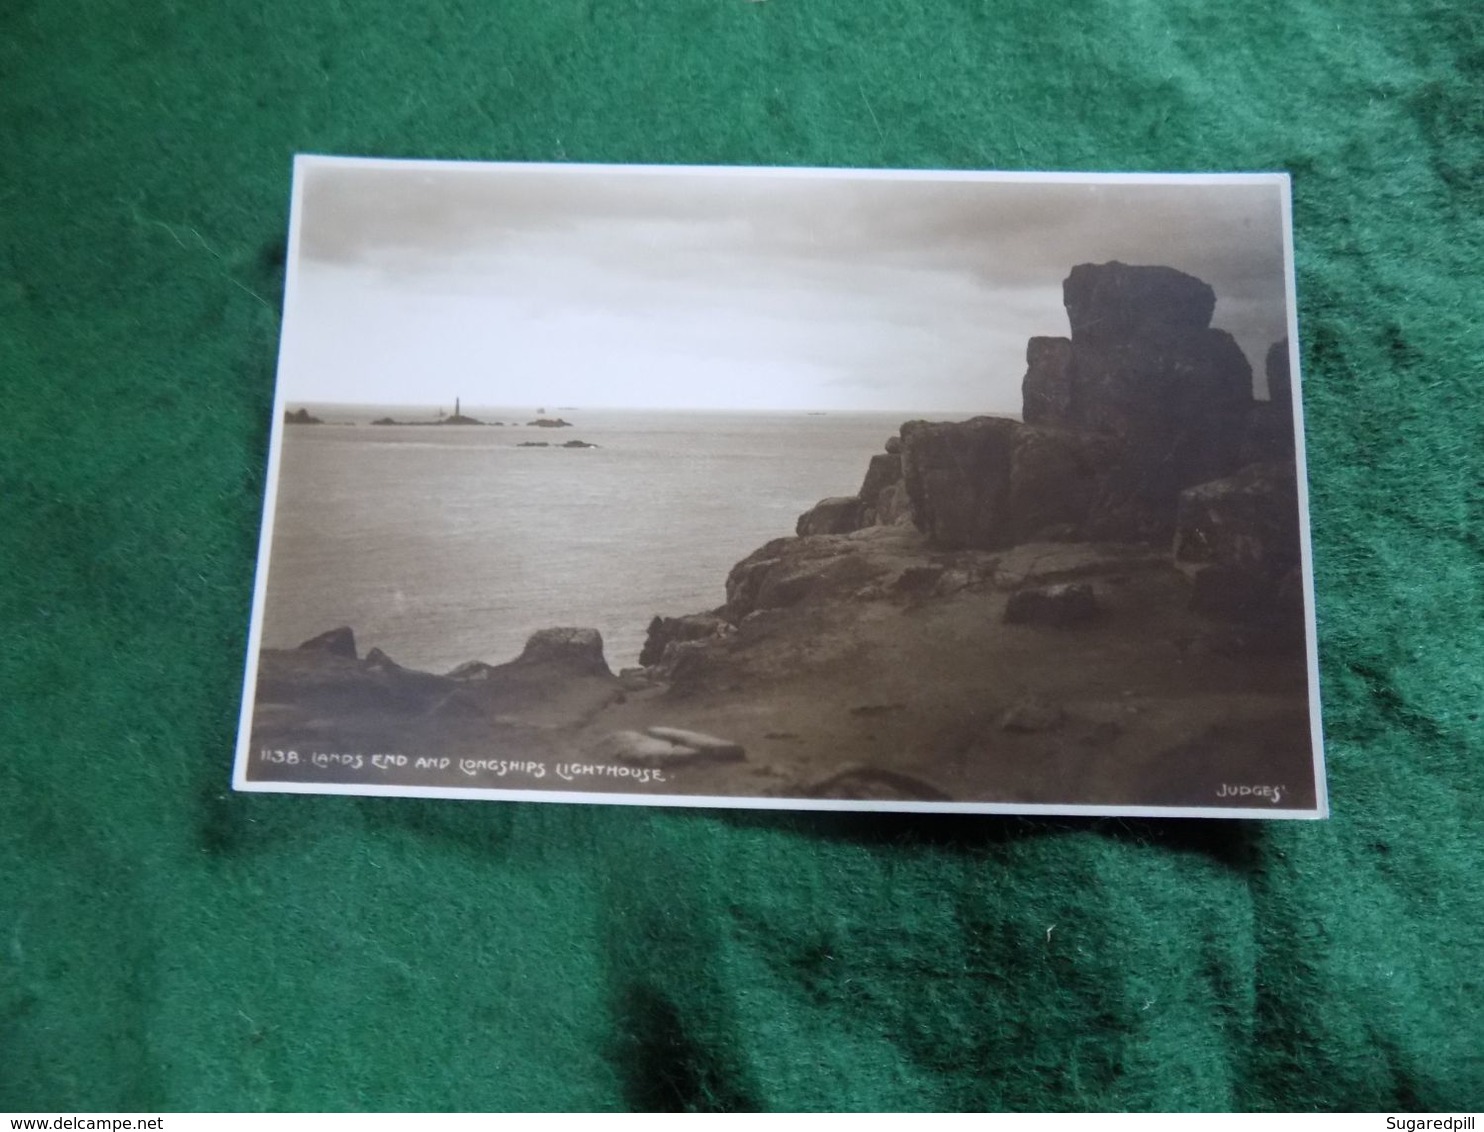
(166, 944)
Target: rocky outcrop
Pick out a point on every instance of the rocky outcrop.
(299, 416)
(789, 572)
(881, 501)
(1144, 369)
(1248, 521)
(336, 642)
(836, 516)
(579, 651)
(1239, 538)
(1144, 400)
(883, 473)
(666, 631)
(1063, 606)
(958, 479)
(993, 482)
(546, 422)
(1113, 302)
(1270, 425)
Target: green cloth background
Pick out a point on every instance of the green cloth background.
(166, 944)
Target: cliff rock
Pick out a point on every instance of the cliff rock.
(1271, 425)
(958, 479)
(337, 642)
(1239, 536)
(1144, 368)
(836, 516)
(579, 651)
(1116, 302)
(664, 631)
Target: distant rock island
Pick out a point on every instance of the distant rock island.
(546, 422)
(299, 416)
(1100, 604)
(457, 418)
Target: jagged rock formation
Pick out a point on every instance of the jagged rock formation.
(665, 632)
(837, 516)
(1144, 400)
(336, 642)
(1240, 537)
(560, 678)
(575, 650)
(299, 416)
(1144, 369)
(1270, 426)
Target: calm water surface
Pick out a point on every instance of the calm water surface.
(446, 544)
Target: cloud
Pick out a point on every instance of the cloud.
(890, 291)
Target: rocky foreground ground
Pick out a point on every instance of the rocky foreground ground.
(1100, 605)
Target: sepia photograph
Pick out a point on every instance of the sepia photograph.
(787, 488)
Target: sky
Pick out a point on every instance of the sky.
(415, 283)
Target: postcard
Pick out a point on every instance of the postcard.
(787, 488)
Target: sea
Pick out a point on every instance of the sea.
(441, 544)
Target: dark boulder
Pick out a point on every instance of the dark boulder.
(1063, 606)
(1046, 391)
(791, 571)
(893, 506)
(1143, 368)
(882, 490)
(1279, 373)
(1271, 425)
(1055, 478)
(1248, 521)
(836, 516)
(337, 642)
(1239, 537)
(893, 445)
(664, 631)
(884, 470)
(559, 680)
(579, 651)
(1232, 593)
(992, 482)
(958, 480)
(1113, 302)
(325, 682)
